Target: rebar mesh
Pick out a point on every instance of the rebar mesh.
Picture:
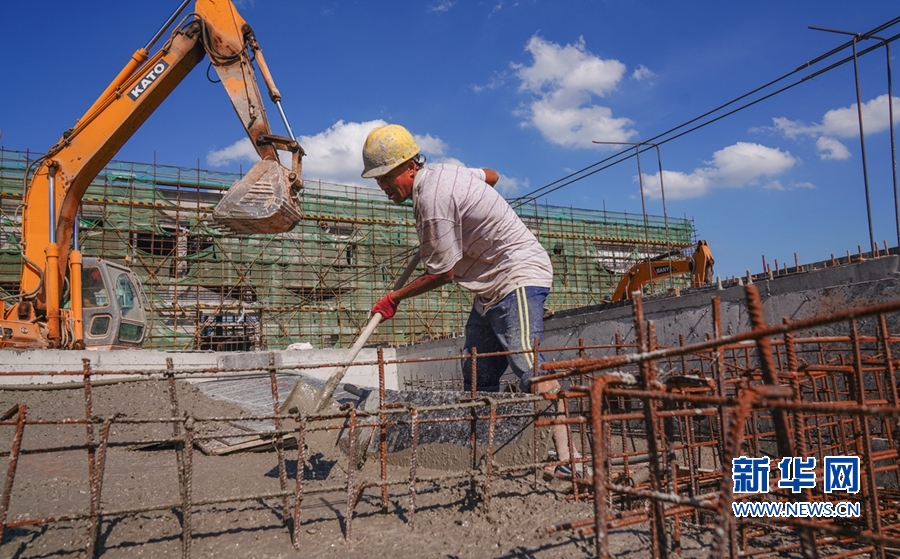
(654, 432)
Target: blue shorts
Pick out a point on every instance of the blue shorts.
(510, 325)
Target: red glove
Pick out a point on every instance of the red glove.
(386, 307)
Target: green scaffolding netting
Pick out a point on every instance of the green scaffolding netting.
(206, 289)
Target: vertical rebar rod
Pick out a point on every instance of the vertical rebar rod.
(279, 439)
(873, 518)
(382, 428)
(890, 380)
(91, 451)
(862, 145)
(887, 51)
(725, 541)
(351, 485)
(862, 137)
(187, 491)
(600, 450)
(658, 538)
(413, 463)
(779, 417)
(20, 411)
(573, 464)
(492, 427)
(96, 483)
(176, 425)
(298, 489)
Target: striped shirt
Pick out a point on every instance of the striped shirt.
(464, 225)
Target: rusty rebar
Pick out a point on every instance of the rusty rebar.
(658, 539)
(96, 487)
(298, 487)
(382, 429)
(279, 440)
(20, 412)
(351, 487)
(187, 467)
(413, 463)
(838, 395)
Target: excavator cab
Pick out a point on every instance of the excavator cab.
(114, 315)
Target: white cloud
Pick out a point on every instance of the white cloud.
(509, 186)
(496, 81)
(829, 148)
(738, 165)
(500, 5)
(841, 123)
(442, 6)
(844, 122)
(241, 150)
(335, 155)
(642, 73)
(430, 145)
(564, 81)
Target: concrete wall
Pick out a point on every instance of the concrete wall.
(18, 367)
(797, 296)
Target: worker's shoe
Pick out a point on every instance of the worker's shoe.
(564, 471)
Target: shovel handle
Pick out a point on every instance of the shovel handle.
(335, 379)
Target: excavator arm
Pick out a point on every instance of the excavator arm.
(699, 266)
(263, 202)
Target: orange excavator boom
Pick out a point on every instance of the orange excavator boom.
(263, 202)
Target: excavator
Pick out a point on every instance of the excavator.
(674, 263)
(68, 301)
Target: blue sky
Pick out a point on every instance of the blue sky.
(523, 87)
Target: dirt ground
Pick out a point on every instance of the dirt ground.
(450, 520)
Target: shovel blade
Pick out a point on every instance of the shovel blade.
(263, 202)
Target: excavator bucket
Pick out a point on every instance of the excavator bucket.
(263, 202)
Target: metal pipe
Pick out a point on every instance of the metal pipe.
(167, 24)
(662, 192)
(52, 167)
(285, 120)
(76, 231)
(862, 138)
(887, 50)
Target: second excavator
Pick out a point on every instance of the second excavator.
(699, 265)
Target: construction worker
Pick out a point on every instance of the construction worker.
(469, 234)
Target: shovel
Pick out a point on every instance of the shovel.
(335, 379)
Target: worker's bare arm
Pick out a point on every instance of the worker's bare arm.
(422, 284)
(491, 176)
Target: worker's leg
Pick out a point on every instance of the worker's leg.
(560, 432)
(480, 335)
(517, 320)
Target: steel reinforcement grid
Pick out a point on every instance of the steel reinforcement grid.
(654, 433)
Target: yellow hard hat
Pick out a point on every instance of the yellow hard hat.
(387, 147)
